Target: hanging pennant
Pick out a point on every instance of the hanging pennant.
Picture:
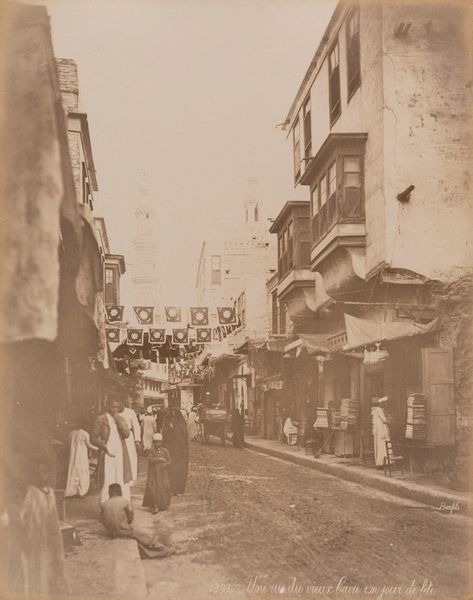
(134, 337)
(114, 314)
(173, 313)
(144, 314)
(226, 315)
(157, 336)
(113, 335)
(216, 335)
(204, 335)
(199, 316)
(180, 336)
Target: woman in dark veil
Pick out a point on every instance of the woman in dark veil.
(176, 440)
(237, 428)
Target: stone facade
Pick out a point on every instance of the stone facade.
(455, 306)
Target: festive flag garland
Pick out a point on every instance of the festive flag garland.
(134, 337)
(204, 335)
(199, 316)
(144, 314)
(226, 315)
(198, 330)
(180, 336)
(114, 314)
(157, 336)
(113, 334)
(173, 314)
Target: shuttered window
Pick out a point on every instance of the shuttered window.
(307, 129)
(274, 313)
(353, 52)
(296, 140)
(334, 84)
(437, 372)
(352, 204)
(111, 286)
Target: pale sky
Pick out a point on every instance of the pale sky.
(183, 97)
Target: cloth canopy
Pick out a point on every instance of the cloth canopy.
(363, 332)
(313, 343)
(277, 345)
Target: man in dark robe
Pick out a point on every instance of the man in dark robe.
(237, 428)
(176, 440)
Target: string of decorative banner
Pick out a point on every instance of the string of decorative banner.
(199, 321)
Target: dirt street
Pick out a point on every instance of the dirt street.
(254, 526)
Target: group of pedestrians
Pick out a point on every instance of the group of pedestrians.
(118, 437)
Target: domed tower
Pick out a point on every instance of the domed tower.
(146, 281)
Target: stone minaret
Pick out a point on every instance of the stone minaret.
(254, 222)
(147, 289)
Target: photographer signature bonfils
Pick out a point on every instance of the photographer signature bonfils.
(449, 507)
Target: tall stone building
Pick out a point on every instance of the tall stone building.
(380, 129)
(247, 251)
(147, 285)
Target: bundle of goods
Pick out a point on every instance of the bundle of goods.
(323, 418)
(416, 423)
(336, 418)
(349, 413)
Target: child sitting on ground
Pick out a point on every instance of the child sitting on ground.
(117, 518)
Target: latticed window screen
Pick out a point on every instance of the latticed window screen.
(338, 196)
(351, 204)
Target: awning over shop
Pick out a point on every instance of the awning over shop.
(313, 343)
(223, 357)
(363, 332)
(272, 383)
(277, 345)
(202, 358)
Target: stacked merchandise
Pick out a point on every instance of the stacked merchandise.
(416, 423)
(348, 413)
(336, 418)
(323, 418)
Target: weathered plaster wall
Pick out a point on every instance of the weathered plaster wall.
(455, 304)
(363, 112)
(34, 175)
(428, 80)
(243, 259)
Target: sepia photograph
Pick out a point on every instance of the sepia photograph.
(236, 299)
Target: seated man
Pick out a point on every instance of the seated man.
(117, 518)
(116, 513)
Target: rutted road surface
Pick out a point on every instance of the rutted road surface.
(253, 526)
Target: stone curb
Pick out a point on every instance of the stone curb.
(410, 490)
(129, 576)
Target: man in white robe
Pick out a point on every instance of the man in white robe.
(109, 434)
(290, 431)
(129, 415)
(380, 431)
